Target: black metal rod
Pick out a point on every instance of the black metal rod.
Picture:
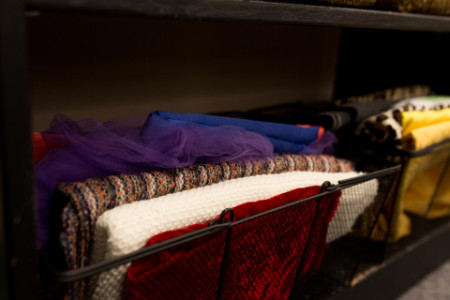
(388, 190)
(438, 186)
(69, 276)
(226, 250)
(430, 149)
(359, 179)
(313, 223)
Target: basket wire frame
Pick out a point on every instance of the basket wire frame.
(224, 223)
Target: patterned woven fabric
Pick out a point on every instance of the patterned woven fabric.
(127, 228)
(392, 94)
(261, 261)
(87, 200)
(432, 7)
(386, 127)
(357, 3)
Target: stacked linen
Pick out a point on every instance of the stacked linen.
(128, 227)
(91, 149)
(128, 145)
(88, 149)
(178, 166)
(434, 7)
(87, 200)
(389, 127)
(422, 188)
(347, 113)
(413, 124)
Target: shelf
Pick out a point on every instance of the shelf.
(239, 10)
(404, 264)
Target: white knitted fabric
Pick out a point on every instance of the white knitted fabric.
(128, 227)
(353, 202)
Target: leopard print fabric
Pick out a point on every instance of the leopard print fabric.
(386, 127)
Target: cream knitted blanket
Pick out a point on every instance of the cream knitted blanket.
(128, 227)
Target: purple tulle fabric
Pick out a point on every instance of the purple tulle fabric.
(326, 144)
(286, 138)
(93, 149)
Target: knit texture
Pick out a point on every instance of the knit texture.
(87, 200)
(127, 228)
(353, 203)
(261, 260)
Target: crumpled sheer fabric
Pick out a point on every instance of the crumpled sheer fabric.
(263, 257)
(92, 149)
(326, 144)
(286, 138)
(43, 143)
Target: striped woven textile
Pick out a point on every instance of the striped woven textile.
(87, 200)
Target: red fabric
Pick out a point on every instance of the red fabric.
(315, 250)
(319, 134)
(261, 262)
(43, 142)
(39, 147)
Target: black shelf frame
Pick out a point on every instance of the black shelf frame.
(253, 11)
(17, 212)
(19, 270)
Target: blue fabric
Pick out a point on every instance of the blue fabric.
(285, 138)
(93, 149)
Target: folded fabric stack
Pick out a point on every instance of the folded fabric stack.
(434, 7)
(394, 126)
(128, 227)
(351, 111)
(130, 182)
(87, 200)
(411, 125)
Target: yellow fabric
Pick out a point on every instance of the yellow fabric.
(389, 211)
(423, 137)
(412, 120)
(420, 178)
(420, 181)
(419, 194)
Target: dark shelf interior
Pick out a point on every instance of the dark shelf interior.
(382, 269)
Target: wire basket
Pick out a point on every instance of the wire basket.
(420, 189)
(259, 250)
